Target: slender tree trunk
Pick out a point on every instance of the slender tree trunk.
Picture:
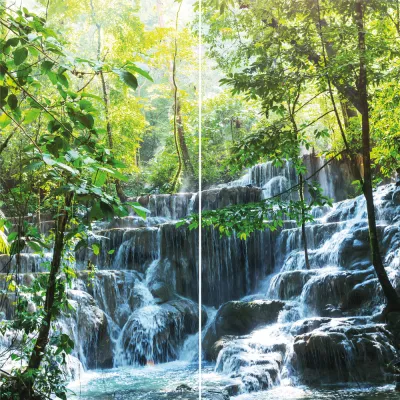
(301, 191)
(303, 225)
(43, 336)
(347, 112)
(388, 289)
(118, 185)
(188, 167)
(184, 162)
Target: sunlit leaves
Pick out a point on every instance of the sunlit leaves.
(31, 115)
(4, 121)
(96, 249)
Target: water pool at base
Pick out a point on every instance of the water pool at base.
(153, 382)
(133, 383)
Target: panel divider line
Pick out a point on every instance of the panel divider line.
(200, 199)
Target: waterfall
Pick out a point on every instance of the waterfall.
(270, 320)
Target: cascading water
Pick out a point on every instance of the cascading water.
(326, 329)
(277, 323)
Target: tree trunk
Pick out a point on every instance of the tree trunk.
(388, 289)
(184, 162)
(43, 336)
(188, 167)
(303, 225)
(118, 186)
(347, 112)
(301, 189)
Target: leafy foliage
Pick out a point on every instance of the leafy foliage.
(63, 166)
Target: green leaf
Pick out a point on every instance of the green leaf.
(12, 101)
(85, 119)
(68, 168)
(33, 51)
(12, 42)
(128, 78)
(12, 236)
(35, 246)
(120, 176)
(110, 252)
(52, 77)
(31, 115)
(47, 65)
(3, 92)
(4, 120)
(100, 178)
(181, 223)
(95, 212)
(17, 246)
(107, 210)
(96, 249)
(3, 69)
(63, 80)
(85, 105)
(48, 159)
(33, 166)
(140, 71)
(93, 96)
(20, 55)
(139, 209)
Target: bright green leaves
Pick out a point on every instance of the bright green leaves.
(139, 209)
(31, 115)
(35, 246)
(100, 178)
(4, 121)
(20, 55)
(96, 249)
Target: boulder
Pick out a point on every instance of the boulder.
(289, 284)
(88, 326)
(396, 197)
(161, 291)
(336, 290)
(240, 318)
(344, 350)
